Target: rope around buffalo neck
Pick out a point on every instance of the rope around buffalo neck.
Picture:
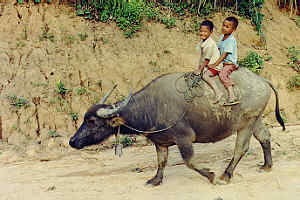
(156, 131)
(119, 146)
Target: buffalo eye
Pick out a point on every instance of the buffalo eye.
(91, 121)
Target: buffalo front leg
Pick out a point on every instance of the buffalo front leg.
(263, 135)
(241, 147)
(162, 158)
(184, 143)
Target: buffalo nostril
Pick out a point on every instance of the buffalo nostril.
(72, 142)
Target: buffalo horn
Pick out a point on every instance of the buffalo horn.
(107, 95)
(105, 113)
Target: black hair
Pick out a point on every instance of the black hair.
(209, 24)
(234, 20)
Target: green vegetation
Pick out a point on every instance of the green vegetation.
(52, 133)
(74, 116)
(127, 141)
(130, 14)
(83, 36)
(169, 22)
(68, 39)
(251, 9)
(61, 88)
(294, 82)
(81, 91)
(297, 20)
(252, 61)
(21, 44)
(46, 35)
(18, 102)
(294, 56)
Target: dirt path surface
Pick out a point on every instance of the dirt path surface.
(90, 175)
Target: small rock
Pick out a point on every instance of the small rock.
(51, 188)
(138, 170)
(219, 198)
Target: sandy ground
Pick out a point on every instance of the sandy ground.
(90, 175)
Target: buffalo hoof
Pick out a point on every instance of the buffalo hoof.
(223, 180)
(266, 168)
(154, 181)
(211, 177)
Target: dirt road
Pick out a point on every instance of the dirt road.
(89, 175)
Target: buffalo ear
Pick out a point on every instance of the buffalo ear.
(116, 121)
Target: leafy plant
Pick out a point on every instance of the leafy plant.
(83, 36)
(61, 88)
(252, 61)
(297, 20)
(294, 82)
(127, 141)
(18, 102)
(75, 116)
(39, 84)
(294, 56)
(68, 39)
(151, 12)
(52, 133)
(169, 22)
(81, 91)
(46, 35)
(127, 14)
(21, 44)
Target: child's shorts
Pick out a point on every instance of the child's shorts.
(214, 71)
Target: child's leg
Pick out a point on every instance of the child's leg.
(231, 95)
(227, 82)
(208, 77)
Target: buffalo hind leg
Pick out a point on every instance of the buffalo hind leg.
(263, 135)
(162, 158)
(184, 143)
(241, 147)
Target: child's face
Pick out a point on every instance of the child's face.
(227, 27)
(204, 32)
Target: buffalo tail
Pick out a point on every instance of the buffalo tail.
(277, 112)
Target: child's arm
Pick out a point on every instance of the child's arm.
(201, 67)
(220, 59)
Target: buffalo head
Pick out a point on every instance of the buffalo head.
(99, 123)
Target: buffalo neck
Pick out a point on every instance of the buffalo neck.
(140, 114)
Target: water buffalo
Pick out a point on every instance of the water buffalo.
(161, 113)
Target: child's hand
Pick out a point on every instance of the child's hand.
(197, 72)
